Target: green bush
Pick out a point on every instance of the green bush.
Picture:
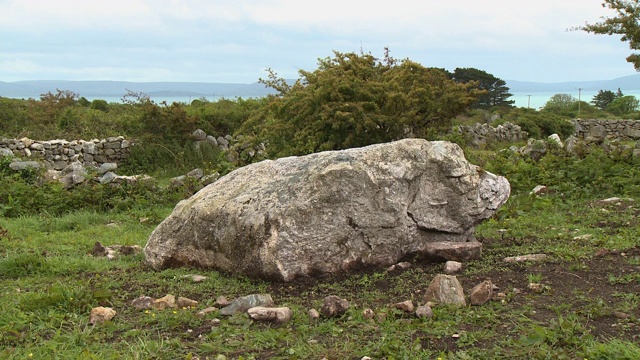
(540, 124)
(596, 173)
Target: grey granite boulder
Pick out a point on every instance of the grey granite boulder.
(331, 211)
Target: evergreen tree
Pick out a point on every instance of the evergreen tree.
(603, 98)
(497, 92)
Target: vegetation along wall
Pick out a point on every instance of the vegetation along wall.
(59, 153)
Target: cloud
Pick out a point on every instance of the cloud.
(214, 40)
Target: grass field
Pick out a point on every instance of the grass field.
(587, 306)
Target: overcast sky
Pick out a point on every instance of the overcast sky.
(235, 41)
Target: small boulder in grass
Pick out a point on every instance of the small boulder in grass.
(142, 302)
(445, 289)
(184, 302)
(481, 293)
(101, 314)
(314, 314)
(277, 315)
(334, 306)
(368, 314)
(452, 267)
(406, 306)
(424, 311)
(167, 301)
(247, 302)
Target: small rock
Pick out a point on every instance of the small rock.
(424, 311)
(368, 314)
(195, 278)
(406, 306)
(621, 315)
(481, 293)
(334, 306)
(278, 315)
(221, 301)
(206, 311)
(456, 251)
(142, 302)
(522, 258)
(101, 314)
(365, 358)
(537, 287)
(247, 302)
(184, 302)
(445, 289)
(167, 301)
(452, 267)
(538, 190)
(381, 317)
(314, 314)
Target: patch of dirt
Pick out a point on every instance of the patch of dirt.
(603, 292)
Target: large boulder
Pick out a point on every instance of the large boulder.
(330, 212)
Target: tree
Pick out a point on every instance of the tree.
(626, 22)
(603, 98)
(560, 103)
(623, 105)
(354, 100)
(497, 91)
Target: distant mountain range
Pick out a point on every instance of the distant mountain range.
(111, 89)
(625, 83)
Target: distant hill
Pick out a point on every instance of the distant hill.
(625, 83)
(98, 89)
(111, 89)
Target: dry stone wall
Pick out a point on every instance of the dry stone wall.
(618, 129)
(57, 154)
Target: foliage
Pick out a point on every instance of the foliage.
(223, 117)
(26, 193)
(497, 92)
(568, 106)
(560, 103)
(596, 173)
(605, 97)
(539, 124)
(623, 105)
(354, 100)
(625, 22)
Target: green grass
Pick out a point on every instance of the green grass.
(49, 281)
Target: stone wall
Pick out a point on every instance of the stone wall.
(479, 134)
(57, 154)
(618, 129)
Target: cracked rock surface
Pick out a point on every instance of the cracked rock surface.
(331, 211)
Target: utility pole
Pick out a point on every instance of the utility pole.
(529, 102)
(579, 100)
